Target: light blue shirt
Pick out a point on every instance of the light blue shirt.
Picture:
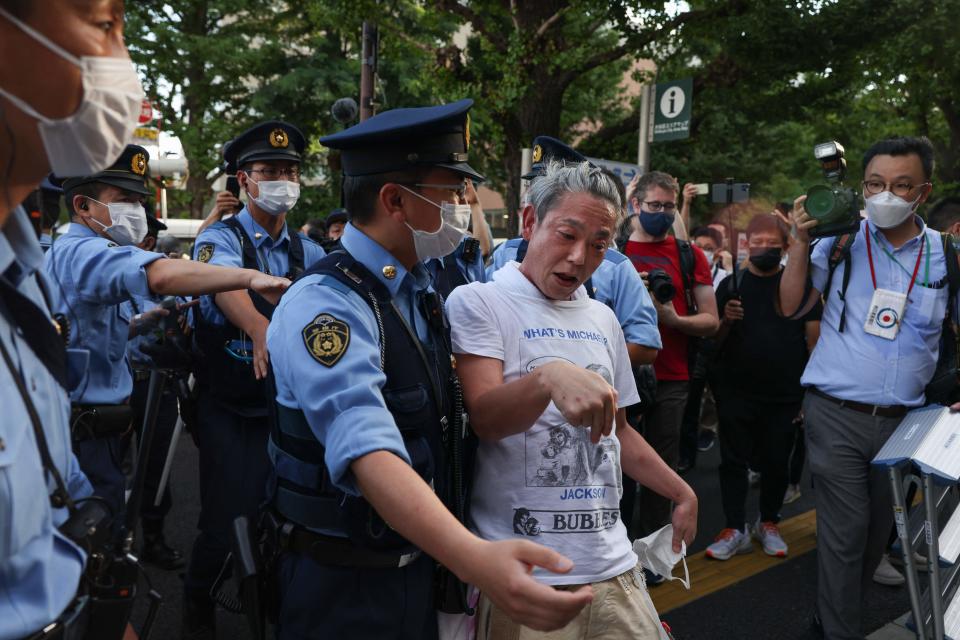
(46, 241)
(616, 284)
(94, 276)
(343, 403)
(855, 365)
(39, 568)
(272, 255)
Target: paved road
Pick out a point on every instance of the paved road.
(776, 604)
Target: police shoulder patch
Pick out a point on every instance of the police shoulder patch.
(205, 253)
(326, 338)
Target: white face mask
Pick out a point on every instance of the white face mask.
(886, 210)
(454, 219)
(709, 255)
(91, 139)
(276, 196)
(656, 554)
(129, 223)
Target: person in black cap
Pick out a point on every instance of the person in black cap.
(232, 428)
(369, 430)
(97, 266)
(43, 208)
(336, 221)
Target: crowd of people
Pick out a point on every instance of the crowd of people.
(403, 430)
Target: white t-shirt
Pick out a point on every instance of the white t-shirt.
(549, 484)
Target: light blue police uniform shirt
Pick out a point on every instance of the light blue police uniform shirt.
(94, 277)
(39, 568)
(271, 254)
(855, 365)
(46, 241)
(343, 403)
(616, 284)
(471, 271)
(135, 355)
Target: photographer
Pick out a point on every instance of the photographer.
(691, 312)
(869, 368)
(757, 387)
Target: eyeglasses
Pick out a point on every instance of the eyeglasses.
(902, 189)
(655, 206)
(460, 189)
(273, 173)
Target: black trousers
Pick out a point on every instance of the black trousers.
(759, 435)
(690, 425)
(234, 466)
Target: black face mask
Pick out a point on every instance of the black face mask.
(767, 260)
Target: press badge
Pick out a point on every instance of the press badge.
(886, 312)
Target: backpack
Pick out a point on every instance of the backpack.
(944, 386)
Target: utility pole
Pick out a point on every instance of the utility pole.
(368, 70)
(643, 137)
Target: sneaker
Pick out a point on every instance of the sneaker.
(768, 535)
(753, 477)
(652, 579)
(729, 543)
(919, 560)
(705, 440)
(886, 574)
(792, 493)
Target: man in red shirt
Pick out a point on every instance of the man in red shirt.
(692, 312)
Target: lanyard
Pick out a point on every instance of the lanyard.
(926, 267)
(916, 267)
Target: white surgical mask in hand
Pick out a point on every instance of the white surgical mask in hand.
(657, 555)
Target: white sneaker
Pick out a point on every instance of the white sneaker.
(792, 493)
(886, 574)
(729, 543)
(768, 534)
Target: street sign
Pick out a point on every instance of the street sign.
(623, 170)
(673, 108)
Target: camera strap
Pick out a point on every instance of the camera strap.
(60, 497)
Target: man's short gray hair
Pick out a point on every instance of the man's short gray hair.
(561, 178)
(655, 179)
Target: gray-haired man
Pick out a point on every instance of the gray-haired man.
(546, 373)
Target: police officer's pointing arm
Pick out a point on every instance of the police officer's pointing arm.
(189, 278)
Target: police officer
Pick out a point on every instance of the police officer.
(335, 222)
(231, 333)
(96, 267)
(40, 568)
(366, 430)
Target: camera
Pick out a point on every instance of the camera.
(661, 286)
(834, 206)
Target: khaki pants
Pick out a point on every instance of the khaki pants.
(621, 610)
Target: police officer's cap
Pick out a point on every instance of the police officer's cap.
(154, 224)
(337, 215)
(52, 183)
(272, 140)
(403, 139)
(546, 149)
(128, 172)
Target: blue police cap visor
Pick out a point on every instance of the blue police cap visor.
(272, 140)
(546, 149)
(403, 139)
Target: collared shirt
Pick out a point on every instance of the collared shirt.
(94, 276)
(224, 249)
(39, 568)
(46, 241)
(343, 403)
(472, 271)
(616, 284)
(855, 365)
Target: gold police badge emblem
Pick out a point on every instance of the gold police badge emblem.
(138, 164)
(205, 253)
(537, 153)
(326, 338)
(279, 139)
